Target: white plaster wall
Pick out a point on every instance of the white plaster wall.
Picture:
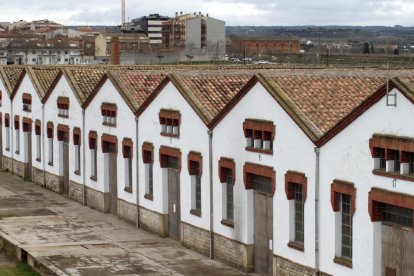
(125, 128)
(292, 150)
(36, 114)
(5, 108)
(347, 157)
(62, 89)
(193, 137)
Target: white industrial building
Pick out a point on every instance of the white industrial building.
(283, 172)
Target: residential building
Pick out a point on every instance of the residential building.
(195, 33)
(257, 47)
(152, 27)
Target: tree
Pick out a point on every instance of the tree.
(365, 49)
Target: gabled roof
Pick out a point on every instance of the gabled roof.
(43, 78)
(326, 100)
(405, 84)
(136, 87)
(13, 75)
(84, 80)
(209, 93)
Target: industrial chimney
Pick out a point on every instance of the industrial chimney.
(115, 54)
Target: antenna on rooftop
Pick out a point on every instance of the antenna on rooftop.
(391, 98)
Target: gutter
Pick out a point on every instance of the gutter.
(83, 157)
(210, 158)
(137, 168)
(317, 184)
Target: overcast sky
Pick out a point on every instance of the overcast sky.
(234, 12)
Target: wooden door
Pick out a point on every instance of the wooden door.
(397, 250)
(174, 204)
(113, 183)
(263, 231)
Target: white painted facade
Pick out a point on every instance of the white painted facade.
(75, 119)
(125, 128)
(193, 137)
(347, 157)
(5, 108)
(26, 86)
(292, 150)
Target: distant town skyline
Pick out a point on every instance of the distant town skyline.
(234, 12)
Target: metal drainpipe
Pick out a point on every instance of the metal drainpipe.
(317, 183)
(12, 140)
(83, 157)
(42, 131)
(210, 153)
(137, 168)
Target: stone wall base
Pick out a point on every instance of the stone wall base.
(97, 200)
(18, 168)
(153, 222)
(52, 182)
(76, 191)
(38, 176)
(195, 238)
(233, 253)
(7, 163)
(283, 266)
(127, 211)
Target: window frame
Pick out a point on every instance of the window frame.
(148, 160)
(170, 122)
(259, 135)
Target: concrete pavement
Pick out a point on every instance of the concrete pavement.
(59, 236)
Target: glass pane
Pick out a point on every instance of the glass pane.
(198, 192)
(346, 241)
(397, 215)
(261, 183)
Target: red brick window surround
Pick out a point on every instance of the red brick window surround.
(16, 122)
(195, 163)
(259, 135)
(27, 102)
(393, 156)
(339, 187)
(250, 171)
(38, 127)
(109, 143)
(226, 164)
(63, 107)
(379, 200)
(27, 124)
(93, 137)
(109, 112)
(148, 159)
(293, 177)
(93, 146)
(77, 136)
(127, 148)
(63, 133)
(296, 190)
(170, 121)
(343, 196)
(147, 153)
(167, 162)
(127, 153)
(7, 120)
(49, 130)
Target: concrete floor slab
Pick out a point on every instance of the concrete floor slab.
(64, 237)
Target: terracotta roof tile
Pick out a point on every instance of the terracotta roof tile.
(13, 74)
(139, 84)
(45, 76)
(213, 92)
(327, 100)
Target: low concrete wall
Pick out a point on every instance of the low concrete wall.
(195, 238)
(38, 176)
(7, 163)
(97, 200)
(233, 253)
(53, 182)
(283, 266)
(153, 222)
(76, 191)
(127, 211)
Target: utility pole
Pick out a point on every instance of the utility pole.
(123, 12)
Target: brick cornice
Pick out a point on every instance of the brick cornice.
(342, 187)
(293, 177)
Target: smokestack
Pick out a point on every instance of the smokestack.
(176, 14)
(181, 13)
(115, 55)
(199, 13)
